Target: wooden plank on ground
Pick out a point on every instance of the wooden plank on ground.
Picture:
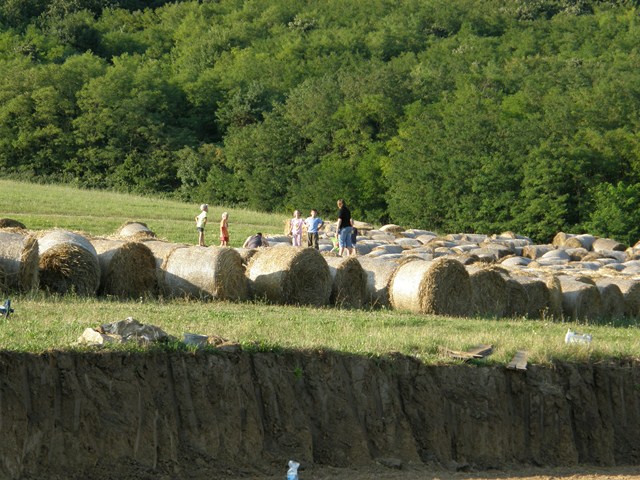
(479, 351)
(519, 361)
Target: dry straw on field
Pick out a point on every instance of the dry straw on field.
(18, 261)
(290, 275)
(379, 274)
(127, 269)
(208, 273)
(439, 287)
(10, 223)
(135, 231)
(488, 292)
(246, 254)
(349, 288)
(68, 263)
(161, 252)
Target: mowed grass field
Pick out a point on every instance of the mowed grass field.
(42, 322)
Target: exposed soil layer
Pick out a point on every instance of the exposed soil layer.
(215, 415)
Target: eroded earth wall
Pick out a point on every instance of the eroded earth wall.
(84, 414)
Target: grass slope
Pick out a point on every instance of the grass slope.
(43, 322)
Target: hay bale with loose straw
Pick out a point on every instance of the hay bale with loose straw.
(207, 273)
(127, 269)
(135, 231)
(11, 223)
(349, 289)
(246, 254)
(439, 287)
(379, 274)
(580, 301)
(290, 275)
(555, 295)
(488, 292)
(612, 298)
(18, 261)
(68, 263)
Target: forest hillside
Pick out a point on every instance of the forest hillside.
(450, 115)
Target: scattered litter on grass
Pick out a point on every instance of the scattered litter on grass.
(577, 337)
(123, 331)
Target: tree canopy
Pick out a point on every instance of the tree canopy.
(450, 115)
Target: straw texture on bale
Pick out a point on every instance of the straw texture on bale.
(246, 254)
(537, 296)
(516, 298)
(611, 297)
(440, 287)
(560, 239)
(555, 296)
(18, 261)
(205, 273)
(127, 269)
(135, 230)
(290, 275)
(68, 263)
(349, 288)
(10, 223)
(379, 274)
(580, 301)
(161, 252)
(630, 289)
(488, 292)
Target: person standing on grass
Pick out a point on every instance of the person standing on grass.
(344, 229)
(224, 230)
(295, 229)
(201, 221)
(314, 223)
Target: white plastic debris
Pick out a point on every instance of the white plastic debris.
(576, 337)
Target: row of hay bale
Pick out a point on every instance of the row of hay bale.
(437, 284)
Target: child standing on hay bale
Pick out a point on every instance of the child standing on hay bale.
(314, 223)
(345, 228)
(224, 230)
(295, 229)
(201, 221)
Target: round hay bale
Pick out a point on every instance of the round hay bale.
(555, 296)
(612, 298)
(536, 251)
(293, 275)
(349, 282)
(68, 263)
(630, 289)
(488, 292)
(10, 223)
(580, 301)
(440, 287)
(560, 239)
(18, 261)
(515, 261)
(388, 248)
(391, 228)
(246, 254)
(205, 273)
(538, 297)
(379, 273)
(135, 230)
(161, 252)
(516, 298)
(601, 244)
(127, 269)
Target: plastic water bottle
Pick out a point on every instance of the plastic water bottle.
(575, 337)
(292, 473)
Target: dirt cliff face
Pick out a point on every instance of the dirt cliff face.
(166, 414)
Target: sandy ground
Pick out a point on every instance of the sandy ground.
(423, 473)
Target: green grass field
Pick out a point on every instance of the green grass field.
(42, 322)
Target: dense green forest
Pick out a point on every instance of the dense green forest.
(450, 115)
